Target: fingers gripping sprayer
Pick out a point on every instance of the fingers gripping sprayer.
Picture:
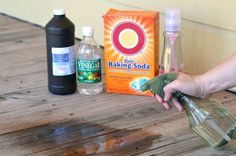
(207, 118)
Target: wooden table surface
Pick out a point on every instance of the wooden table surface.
(36, 122)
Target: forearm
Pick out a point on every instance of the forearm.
(221, 77)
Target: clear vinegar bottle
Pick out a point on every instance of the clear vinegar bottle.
(89, 64)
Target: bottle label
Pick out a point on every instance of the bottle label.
(63, 61)
(89, 71)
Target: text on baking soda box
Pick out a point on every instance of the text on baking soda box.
(131, 42)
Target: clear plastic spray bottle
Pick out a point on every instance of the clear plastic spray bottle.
(208, 118)
(171, 59)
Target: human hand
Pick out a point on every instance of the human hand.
(185, 83)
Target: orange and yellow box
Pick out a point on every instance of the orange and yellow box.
(131, 42)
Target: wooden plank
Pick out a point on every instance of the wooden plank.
(36, 122)
(30, 66)
(59, 108)
(7, 27)
(78, 140)
(23, 55)
(208, 30)
(22, 43)
(19, 35)
(162, 126)
(23, 81)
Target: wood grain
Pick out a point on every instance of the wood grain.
(208, 26)
(38, 123)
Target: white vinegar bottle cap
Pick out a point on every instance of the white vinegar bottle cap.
(172, 19)
(60, 11)
(88, 31)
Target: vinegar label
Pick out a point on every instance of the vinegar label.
(89, 71)
(63, 61)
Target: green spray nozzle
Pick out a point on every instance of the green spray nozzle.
(157, 84)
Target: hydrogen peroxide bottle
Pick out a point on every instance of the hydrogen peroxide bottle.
(171, 59)
(208, 118)
(61, 59)
(89, 64)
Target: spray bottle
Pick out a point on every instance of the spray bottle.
(171, 59)
(208, 118)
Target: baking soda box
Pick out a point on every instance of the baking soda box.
(131, 42)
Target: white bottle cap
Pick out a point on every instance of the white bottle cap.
(172, 19)
(60, 11)
(87, 31)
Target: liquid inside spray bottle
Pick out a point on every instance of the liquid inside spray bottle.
(207, 118)
(171, 59)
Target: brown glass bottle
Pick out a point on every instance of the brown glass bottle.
(61, 54)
